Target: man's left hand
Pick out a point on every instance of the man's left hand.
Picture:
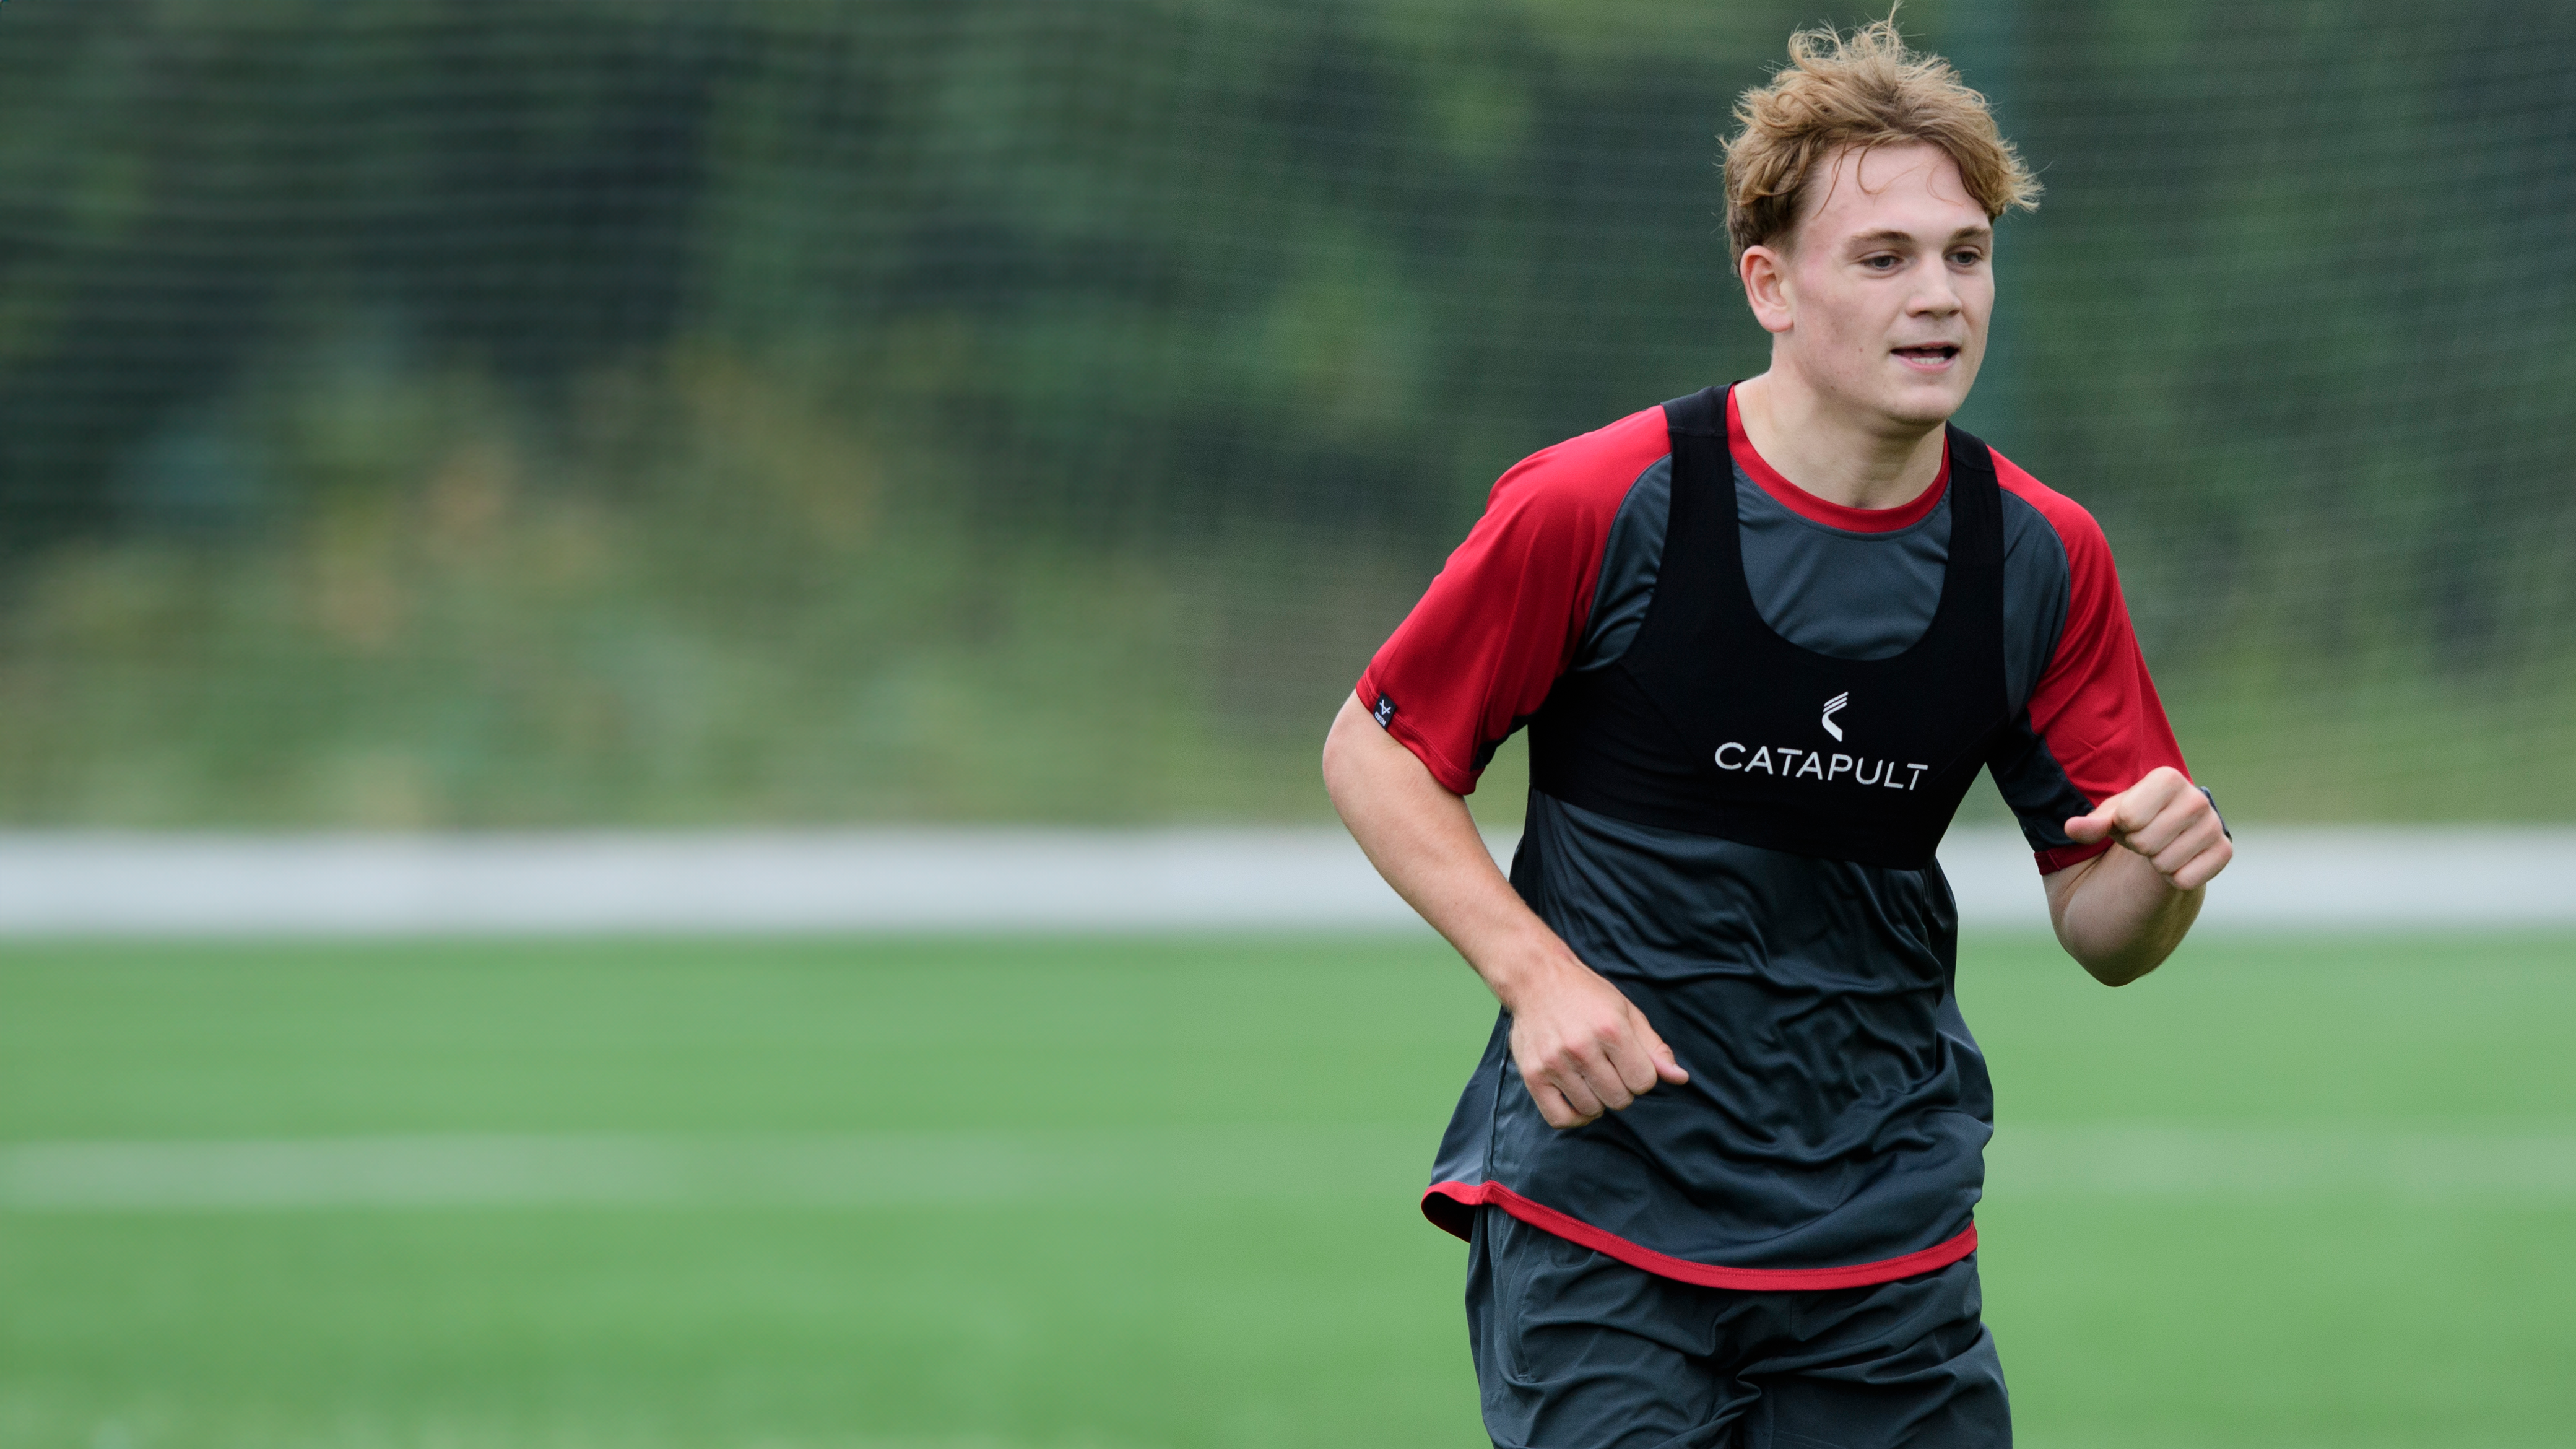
(2167, 819)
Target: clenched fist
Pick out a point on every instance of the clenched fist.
(2167, 819)
(1582, 1047)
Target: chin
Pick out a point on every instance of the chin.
(1927, 402)
(1922, 408)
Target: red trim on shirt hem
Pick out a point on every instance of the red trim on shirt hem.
(2059, 857)
(1824, 510)
(1706, 1275)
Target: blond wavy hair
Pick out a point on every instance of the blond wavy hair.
(1863, 90)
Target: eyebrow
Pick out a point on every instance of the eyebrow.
(1891, 234)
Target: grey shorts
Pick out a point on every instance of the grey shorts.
(1575, 1350)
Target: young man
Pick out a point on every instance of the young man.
(1719, 1162)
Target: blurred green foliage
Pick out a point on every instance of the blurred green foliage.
(432, 413)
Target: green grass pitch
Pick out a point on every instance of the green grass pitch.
(2197, 1233)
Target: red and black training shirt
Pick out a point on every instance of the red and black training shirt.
(1832, 1130)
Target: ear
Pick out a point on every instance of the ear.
(1765, 274)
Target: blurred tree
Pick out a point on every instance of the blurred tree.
(1247, 299)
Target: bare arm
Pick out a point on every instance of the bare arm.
(2124, 911)
(1582, 1047)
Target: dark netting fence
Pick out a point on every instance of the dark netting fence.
(417, 412)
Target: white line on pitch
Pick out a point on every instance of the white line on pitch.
(79, 883)
(857, 1170)
(2487, 1163)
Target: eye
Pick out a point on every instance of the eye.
(1965, 257)
(1880, 262)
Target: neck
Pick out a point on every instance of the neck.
(1858, 461)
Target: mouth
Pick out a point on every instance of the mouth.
(1929, 356)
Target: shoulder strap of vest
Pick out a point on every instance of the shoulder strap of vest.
(1702, 565)
(1700, 415)
(1976, 502)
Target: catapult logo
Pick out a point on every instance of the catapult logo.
(1795, 762)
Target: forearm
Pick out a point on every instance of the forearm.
(2121, 913)
(1422, 839)
(1581, 1046)
(2118, 916)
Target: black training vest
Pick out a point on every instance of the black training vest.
(1712, 724)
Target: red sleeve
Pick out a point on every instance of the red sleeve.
(2095, 707)
(1503, 619)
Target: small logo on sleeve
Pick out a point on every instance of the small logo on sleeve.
(1832, 706)
(1386, 711)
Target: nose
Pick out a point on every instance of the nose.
(1935, 294)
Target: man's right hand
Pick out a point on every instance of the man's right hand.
(1581, 1045)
